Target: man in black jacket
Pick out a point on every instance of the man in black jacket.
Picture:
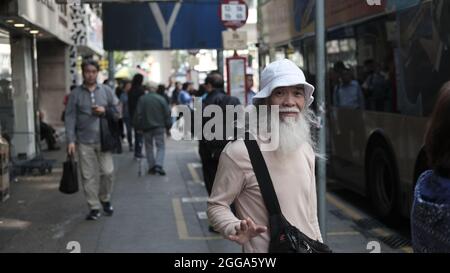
(210, 150)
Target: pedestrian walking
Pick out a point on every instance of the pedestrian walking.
(88, 104)
(175, 93)
(137, 90)
(185, 95)
(126, 117)
(162, 92)
(250, 92)
(154, 120)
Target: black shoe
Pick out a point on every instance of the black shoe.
(152, 170)
(108, 208)
(160, 170)
(93, 215)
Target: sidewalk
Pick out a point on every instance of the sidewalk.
(152, 213)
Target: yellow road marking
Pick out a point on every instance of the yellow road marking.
(179, 219)
(381, 232)
(183, 233)
(355, 216)
(194, 174)
(352, 213)
(407, 249)
(343, 233)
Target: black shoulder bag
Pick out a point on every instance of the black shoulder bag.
(284, 237)
(109, 127)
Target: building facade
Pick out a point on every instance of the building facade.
(40, 46)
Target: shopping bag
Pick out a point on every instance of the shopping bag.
(69, 180)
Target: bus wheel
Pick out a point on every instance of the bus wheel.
(382, 182)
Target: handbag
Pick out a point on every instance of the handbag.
(284, 237)
(69, 180)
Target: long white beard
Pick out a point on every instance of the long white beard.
(292, 132)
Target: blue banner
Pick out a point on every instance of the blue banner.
(155, 26)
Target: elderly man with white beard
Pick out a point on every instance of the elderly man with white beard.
(291, 167)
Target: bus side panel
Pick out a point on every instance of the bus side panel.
(347, 140)
(404, 134)
(350, 131)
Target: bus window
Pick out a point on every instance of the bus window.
(374, 74)
(341, 54)
(423, 56)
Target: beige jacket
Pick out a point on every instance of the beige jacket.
(294, 183)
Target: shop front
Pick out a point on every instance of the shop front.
(35, 36)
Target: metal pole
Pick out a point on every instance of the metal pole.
(220, 60)
(36, 94)
(320, 95)
(111, 68)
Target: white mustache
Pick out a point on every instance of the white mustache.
(289, 110)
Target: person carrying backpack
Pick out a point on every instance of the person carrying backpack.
(210, 149)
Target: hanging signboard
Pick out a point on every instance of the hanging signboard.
(234, 40)
(167, 25)
(236, 86)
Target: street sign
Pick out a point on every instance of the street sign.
(236, 86)
(165, 25)
(234, 40)
(233, 13)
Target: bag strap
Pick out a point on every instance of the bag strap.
(263, 177)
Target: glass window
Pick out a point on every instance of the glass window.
(310, 56)
(375, 66)
(63, 9)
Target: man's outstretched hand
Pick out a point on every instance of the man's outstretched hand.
(246, 231)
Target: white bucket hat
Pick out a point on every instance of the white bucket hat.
(280, 74)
